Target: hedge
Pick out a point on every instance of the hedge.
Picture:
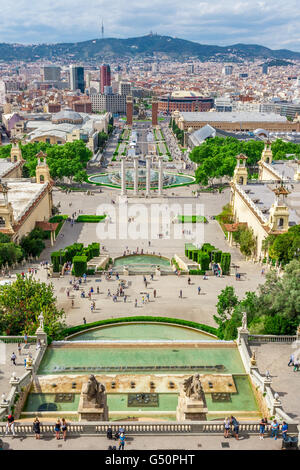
(192, 219)
(90, 218)
(58, 218)
(197, 271)
(56, 256)
(203, 260)
(225, 263)
(79, 265)
(77, 329)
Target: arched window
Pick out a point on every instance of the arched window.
(241, 180)
(280, 222)
(42, 179)
(2, 221)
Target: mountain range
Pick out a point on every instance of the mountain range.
(149, 46)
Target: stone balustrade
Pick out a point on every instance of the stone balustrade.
(271, 338)
(16, 339)
(100, 428)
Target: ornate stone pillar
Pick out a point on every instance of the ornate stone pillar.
(148, 164)
(123, 176)
(160, 175)
(136, 175)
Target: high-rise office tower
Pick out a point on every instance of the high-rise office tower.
(77, 78)
(105, 78)
(51, 73)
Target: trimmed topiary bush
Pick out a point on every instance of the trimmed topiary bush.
(225, 263)
(79, 265)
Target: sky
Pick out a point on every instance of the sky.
(272, 23)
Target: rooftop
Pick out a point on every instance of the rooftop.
(232, 117)
(5, 167)
(22, 193)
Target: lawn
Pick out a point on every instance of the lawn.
(90, 218)
(192, 219)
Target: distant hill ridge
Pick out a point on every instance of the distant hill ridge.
(143, 47)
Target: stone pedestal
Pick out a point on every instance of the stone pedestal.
(88, 410)
(190, 409)
(42, 336)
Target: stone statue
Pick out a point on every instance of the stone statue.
(244, 321)
(41, 320)
(193, 388)
(95, 391)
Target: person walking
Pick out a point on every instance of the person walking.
(291, 361)
(135, 303)
(37, 428)
(19, 349)
(154, 293)
(180, 294)
(296, 365)
(64, 428)
(10, 425)
(84, 320)
(25, 338)
(199, 290)
(235, 424)
(125, 298)
(13, 359)
(262, 427)
(189, 281)
(274, 429)
(57, 428)
(121, 441)
(226, 427)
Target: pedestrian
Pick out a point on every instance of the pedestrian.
(125, 298)
(10, 426)
(109, 433)
(274, 429)
(189, 281)
(199, 290)
(143, 299)
(37, 428)
(57, 428)
(13, 359)
(135, 303)
(154, 293)
(108, 293)
(296, 365)
(97, 290)
(226, 427)
(180, 294)
(64, 428)
(121, 441)
(148, 297)
(19, 349)
(262, 427)
(291, 361)
(25, 338)
(235, 424)
(72, 303)
(25, 361)
(284, 430)
(84, 320)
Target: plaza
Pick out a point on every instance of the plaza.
(148, 359)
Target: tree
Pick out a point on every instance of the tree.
(286, 246)
(227, 301)
(22, 302)
(245, 238)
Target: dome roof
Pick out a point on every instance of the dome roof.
(67, 115)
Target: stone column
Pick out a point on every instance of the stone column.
(160, 175)
(123, 176)
(135, 175)
(148, 163)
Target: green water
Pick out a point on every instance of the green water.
(105, 179)
(142, 332)
(142, 263)
(147, 357)
(243, 400)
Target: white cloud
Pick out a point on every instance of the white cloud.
(272, 23)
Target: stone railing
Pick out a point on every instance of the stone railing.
(17, 385)
(262, 383)
(272, 338)
(16, 339)
(100, 428)
(38, 358)
(252, 204)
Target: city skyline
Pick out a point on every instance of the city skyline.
(269, 23)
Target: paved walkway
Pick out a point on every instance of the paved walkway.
(274, 357)
(155, 443)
